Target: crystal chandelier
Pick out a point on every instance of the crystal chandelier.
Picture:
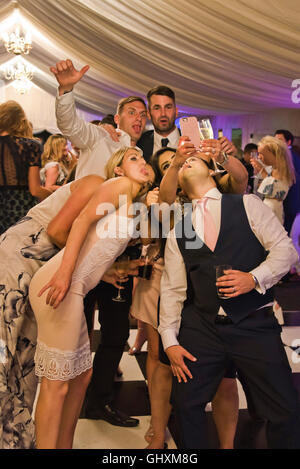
(17, 44)
(18, 71)
(22, 85)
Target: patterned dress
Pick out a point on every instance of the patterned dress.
(23, 250)
(17, 155)
(62, 172)
(274, 191)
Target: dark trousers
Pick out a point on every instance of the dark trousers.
(114, 320)
(255, 347)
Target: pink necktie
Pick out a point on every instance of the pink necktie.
(210, 231)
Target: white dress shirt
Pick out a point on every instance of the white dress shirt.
(173, 137)
(269, 232)
(95, 143)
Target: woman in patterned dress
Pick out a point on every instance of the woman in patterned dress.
(24, 248)
(54, 172)
(274, 187)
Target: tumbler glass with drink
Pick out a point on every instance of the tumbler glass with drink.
(220, 272)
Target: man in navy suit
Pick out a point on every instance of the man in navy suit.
(162, 111)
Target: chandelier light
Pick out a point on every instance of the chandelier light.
(16, 44)
(22, 85)
(18, 71)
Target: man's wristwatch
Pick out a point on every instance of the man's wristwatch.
(225, 158)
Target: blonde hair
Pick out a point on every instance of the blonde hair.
(53, 148)
(13, 120)
(115, 160)
(283, 158)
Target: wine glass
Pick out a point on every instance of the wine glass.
(254, 156)
(145, 270)
(207, 133)
(121, 268)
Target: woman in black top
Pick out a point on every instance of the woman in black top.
(20, 162)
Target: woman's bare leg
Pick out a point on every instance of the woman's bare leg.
(71, 409)
(152, 356)
(225, 407)
(151, 365)
(160, 404)
(49, 411)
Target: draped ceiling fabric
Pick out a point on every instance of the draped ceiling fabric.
(233, 57)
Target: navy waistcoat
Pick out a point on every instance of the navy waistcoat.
(237, 246)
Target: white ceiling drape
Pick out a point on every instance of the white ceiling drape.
(220, 57)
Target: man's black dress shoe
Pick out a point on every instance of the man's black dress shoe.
(112, 416)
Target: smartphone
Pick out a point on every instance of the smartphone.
(190, 128)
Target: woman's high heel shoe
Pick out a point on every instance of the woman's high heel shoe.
(141, 338)
(134, 350)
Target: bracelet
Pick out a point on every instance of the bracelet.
(255, 280)
(225, 160)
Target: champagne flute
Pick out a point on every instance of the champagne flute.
(254, 156)
(121, 268)
(207, 133)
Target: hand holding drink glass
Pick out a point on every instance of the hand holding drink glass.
(210, 145)
(257, 164)
(145, 271)
(232, 283)
(221, 271)
(121, 267)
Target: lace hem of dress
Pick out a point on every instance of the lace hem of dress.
(61, 365)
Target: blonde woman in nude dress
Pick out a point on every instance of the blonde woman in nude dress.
(63, 357)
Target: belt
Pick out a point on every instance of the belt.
(224, 320)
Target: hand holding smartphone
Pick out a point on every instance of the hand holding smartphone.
(190, 128)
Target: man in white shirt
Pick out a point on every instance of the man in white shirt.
(200, 328)
(96, 144)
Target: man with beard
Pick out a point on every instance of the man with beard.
(162, 111)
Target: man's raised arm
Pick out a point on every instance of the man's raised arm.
(82, 134)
